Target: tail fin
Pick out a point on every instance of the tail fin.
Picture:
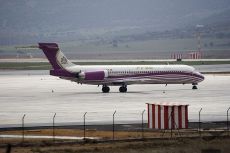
(56, 58)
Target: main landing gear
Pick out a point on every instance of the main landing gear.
(194, 87)
(105, 89)
(123, 89)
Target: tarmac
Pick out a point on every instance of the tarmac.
(40, 96)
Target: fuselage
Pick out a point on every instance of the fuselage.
(140, 74)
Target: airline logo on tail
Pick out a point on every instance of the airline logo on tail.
(64, 60)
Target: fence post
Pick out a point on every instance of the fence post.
(23, 127)
(113, 123)
(199, 122)
(84, 123)
(54, 127)
(8, 148)
(142, 123)
(172, 122)
(227, 122)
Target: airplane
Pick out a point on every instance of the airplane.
(118, 75)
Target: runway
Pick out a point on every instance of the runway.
(39, 96)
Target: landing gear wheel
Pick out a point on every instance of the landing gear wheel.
(194, 87)
(105, 89)
(123, 89)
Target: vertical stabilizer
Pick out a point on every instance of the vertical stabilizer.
(56, 58)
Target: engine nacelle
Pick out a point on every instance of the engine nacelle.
(93, 75)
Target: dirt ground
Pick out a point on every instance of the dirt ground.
(126, 142)
(148, 146)
(101, 134)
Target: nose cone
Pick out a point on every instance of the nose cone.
(200, 76)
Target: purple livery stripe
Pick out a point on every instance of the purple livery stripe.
(161, 73)
(62, 73)
(50, 50)
(157, 78)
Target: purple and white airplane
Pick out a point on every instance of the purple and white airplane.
(118, 75)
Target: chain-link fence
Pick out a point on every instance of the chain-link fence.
(117, 128)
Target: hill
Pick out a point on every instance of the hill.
(30, 21)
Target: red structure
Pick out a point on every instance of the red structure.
(190, 55)
(167, 116)
(195, 55)
(176, 56)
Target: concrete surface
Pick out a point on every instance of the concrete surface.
(31, 94)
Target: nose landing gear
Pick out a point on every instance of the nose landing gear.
(194, 87)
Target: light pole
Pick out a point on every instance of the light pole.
(84, 123)
(142, 123)
(199, 28)
(199, 122)
(54, 127)
(113, 123)
(23, 127)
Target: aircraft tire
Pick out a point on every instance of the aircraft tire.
(105, 89)
(194, 87)
(123, 89)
